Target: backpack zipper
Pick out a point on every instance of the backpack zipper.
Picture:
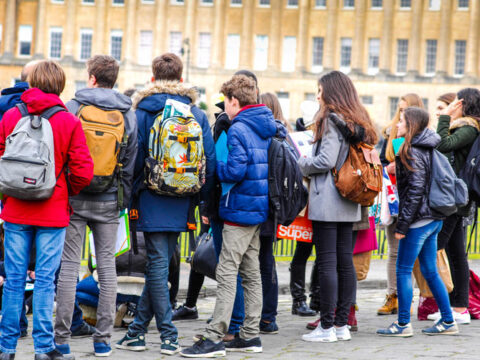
(24, 161)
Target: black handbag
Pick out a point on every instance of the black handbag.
(204, 258)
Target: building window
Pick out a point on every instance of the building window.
(265, 3)
(261, 52)
(176, 42)
(235, 2)
(288, 54)
(116, 44)
(85, 44)
(317, 61)
(463, 4)
(25, 40)
(460, 49)
(348, 4)
(204, 45)
(233, 51)
(393, 105)
(366, 99)
(405, 4)
(55, 43)
(310, 96)
(177, 2)
(88, 2)
(425, 103)
(206, 2)
(292, 3)
(284, 100)
(402, 55)
(321, 4)
(373, 55)
(434, 5)
(118, 2)
(431, 57)
(377, 4)
(148, 1)
(145, 47)
(57, 1)
(345, 54)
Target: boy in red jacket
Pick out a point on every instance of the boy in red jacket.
(43, 222)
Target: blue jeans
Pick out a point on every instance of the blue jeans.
(155, 299)
(238, 314)
(422, 243)
(49, 246)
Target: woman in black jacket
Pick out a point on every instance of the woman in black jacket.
(417, 226)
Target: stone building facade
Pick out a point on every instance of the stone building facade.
(388, 47)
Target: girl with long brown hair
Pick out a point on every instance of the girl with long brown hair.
(387, 156)
(417, 225)
(342, 120)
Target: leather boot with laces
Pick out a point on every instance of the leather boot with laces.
(390, 307)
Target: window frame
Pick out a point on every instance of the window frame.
(235, 63)
(343, 68)
(116, 33)
(85, 31)
(203, 62)
(140, 55)
(404, 41)
(51, 30)
(317, 67)
(373, 70)
(263, 50)
(455, 59)
(19, 41)
(429, 62)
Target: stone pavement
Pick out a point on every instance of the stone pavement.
(288, 344)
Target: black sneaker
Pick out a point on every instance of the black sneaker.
(241, 345)
(185, 313)
(84, 330)
(52, 355)
(23, 334)
(204, 348)
(268, 328)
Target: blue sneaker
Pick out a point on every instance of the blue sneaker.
(204, 348)
(65, 350)
(396, 330)
(441, 328)
(268, 328)
(102, 349)
(170, 347)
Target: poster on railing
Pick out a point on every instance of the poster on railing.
(300, 230)
(123, 238)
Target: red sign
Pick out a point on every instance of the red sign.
(300, 230)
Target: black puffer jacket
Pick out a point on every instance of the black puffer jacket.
(414, 186)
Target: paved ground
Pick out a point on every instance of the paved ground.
(288, 344)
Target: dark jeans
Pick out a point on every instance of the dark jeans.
(452, 239)
(174, 276)
(238, 314)
(297, 270)
(155, 299)
(268, 273)
(334, 246)
(195, 283)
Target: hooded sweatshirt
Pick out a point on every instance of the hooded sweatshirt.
(108, 100)
(11, 97)
(70, 149)
(248, 141)
(158, 213)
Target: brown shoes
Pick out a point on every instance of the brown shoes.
(390, 307)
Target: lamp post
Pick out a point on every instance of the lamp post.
(186, 43)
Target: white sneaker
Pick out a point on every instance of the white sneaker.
(321, 335)
(461, 318)
(343, 333)
(435, 316)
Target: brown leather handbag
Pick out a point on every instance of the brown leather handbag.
(360, 177)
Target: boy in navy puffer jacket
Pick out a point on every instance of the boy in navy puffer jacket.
(244, 208)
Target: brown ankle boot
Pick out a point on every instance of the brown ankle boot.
(390, 307)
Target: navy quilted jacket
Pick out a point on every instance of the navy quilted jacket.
(247, 166)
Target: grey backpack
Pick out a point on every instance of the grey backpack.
(447, 191)
(27, 167)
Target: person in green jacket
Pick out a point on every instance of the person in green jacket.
(458, 127)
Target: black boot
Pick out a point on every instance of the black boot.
(52, 355)
(301, 308)
(297, 282)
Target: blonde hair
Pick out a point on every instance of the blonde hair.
(411, 100)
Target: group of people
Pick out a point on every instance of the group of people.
(86, 194)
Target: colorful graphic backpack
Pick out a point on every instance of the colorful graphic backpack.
(176, 162)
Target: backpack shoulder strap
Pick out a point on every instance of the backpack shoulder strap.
(47, 114)
(22, 107)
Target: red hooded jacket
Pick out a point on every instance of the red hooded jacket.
(70, 148)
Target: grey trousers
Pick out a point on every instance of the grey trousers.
(239, 253)
(392, 258)
(102, 218)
